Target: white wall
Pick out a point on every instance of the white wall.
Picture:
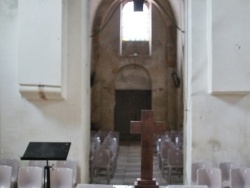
(24, 120)
(230, 46)
(219, 123)
(42, 48)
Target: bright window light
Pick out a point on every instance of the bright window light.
(135, 24)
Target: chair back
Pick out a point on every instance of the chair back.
(225, 171)
(95, 142)
(61, 178)
(38, 163)
(114, 134)
(41, 164)
(165, 146)
(101, 134)
(30, 177)
(72, 164)
(210, 177)
(195, 167)
(5, 176)
(102, 157)
(240, 177)
(160, 140)
(175, 157)
(14, 163)
(113, 147)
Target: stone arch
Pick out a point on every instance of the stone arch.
(132, 77)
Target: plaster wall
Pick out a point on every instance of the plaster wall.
(229, 29)
(22, 120)
(219, 124)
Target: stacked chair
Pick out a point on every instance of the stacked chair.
(227, 174)
(103, 154)
(170, 155)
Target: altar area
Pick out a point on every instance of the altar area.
(128, 167)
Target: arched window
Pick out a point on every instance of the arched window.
(135, 25)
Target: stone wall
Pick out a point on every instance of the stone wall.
(107, 62)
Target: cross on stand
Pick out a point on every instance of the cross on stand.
(147, 128)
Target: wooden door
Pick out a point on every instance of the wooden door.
(128, 106)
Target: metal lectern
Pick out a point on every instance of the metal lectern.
(47, 151)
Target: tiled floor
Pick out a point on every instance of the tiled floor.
(128, 167)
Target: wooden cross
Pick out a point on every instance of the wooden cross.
(147, 128)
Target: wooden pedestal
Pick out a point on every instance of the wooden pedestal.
(146, 184)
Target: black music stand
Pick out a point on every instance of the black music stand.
(47, 151)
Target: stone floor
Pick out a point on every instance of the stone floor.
(128, 167)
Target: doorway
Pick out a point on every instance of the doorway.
(128, 106)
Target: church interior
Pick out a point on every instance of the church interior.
(79, 72)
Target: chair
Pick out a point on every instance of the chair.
(225, 172)
(175, 163)
(178, 140)
(210, 177)
(195, 166)
(61, 178)
(30, 177)
(114, 134)
(156, 138)
(37, 163)
(101, 161)
(101, 134)
(5, 176)
(95, 142)
(173, 134)
(14, 163)
(94, 145)
(161, 142)
(41, 164)
(112, 145)
(106, 186)
(72, 164)
(240, 177)
(187, 186)
(164, 157)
